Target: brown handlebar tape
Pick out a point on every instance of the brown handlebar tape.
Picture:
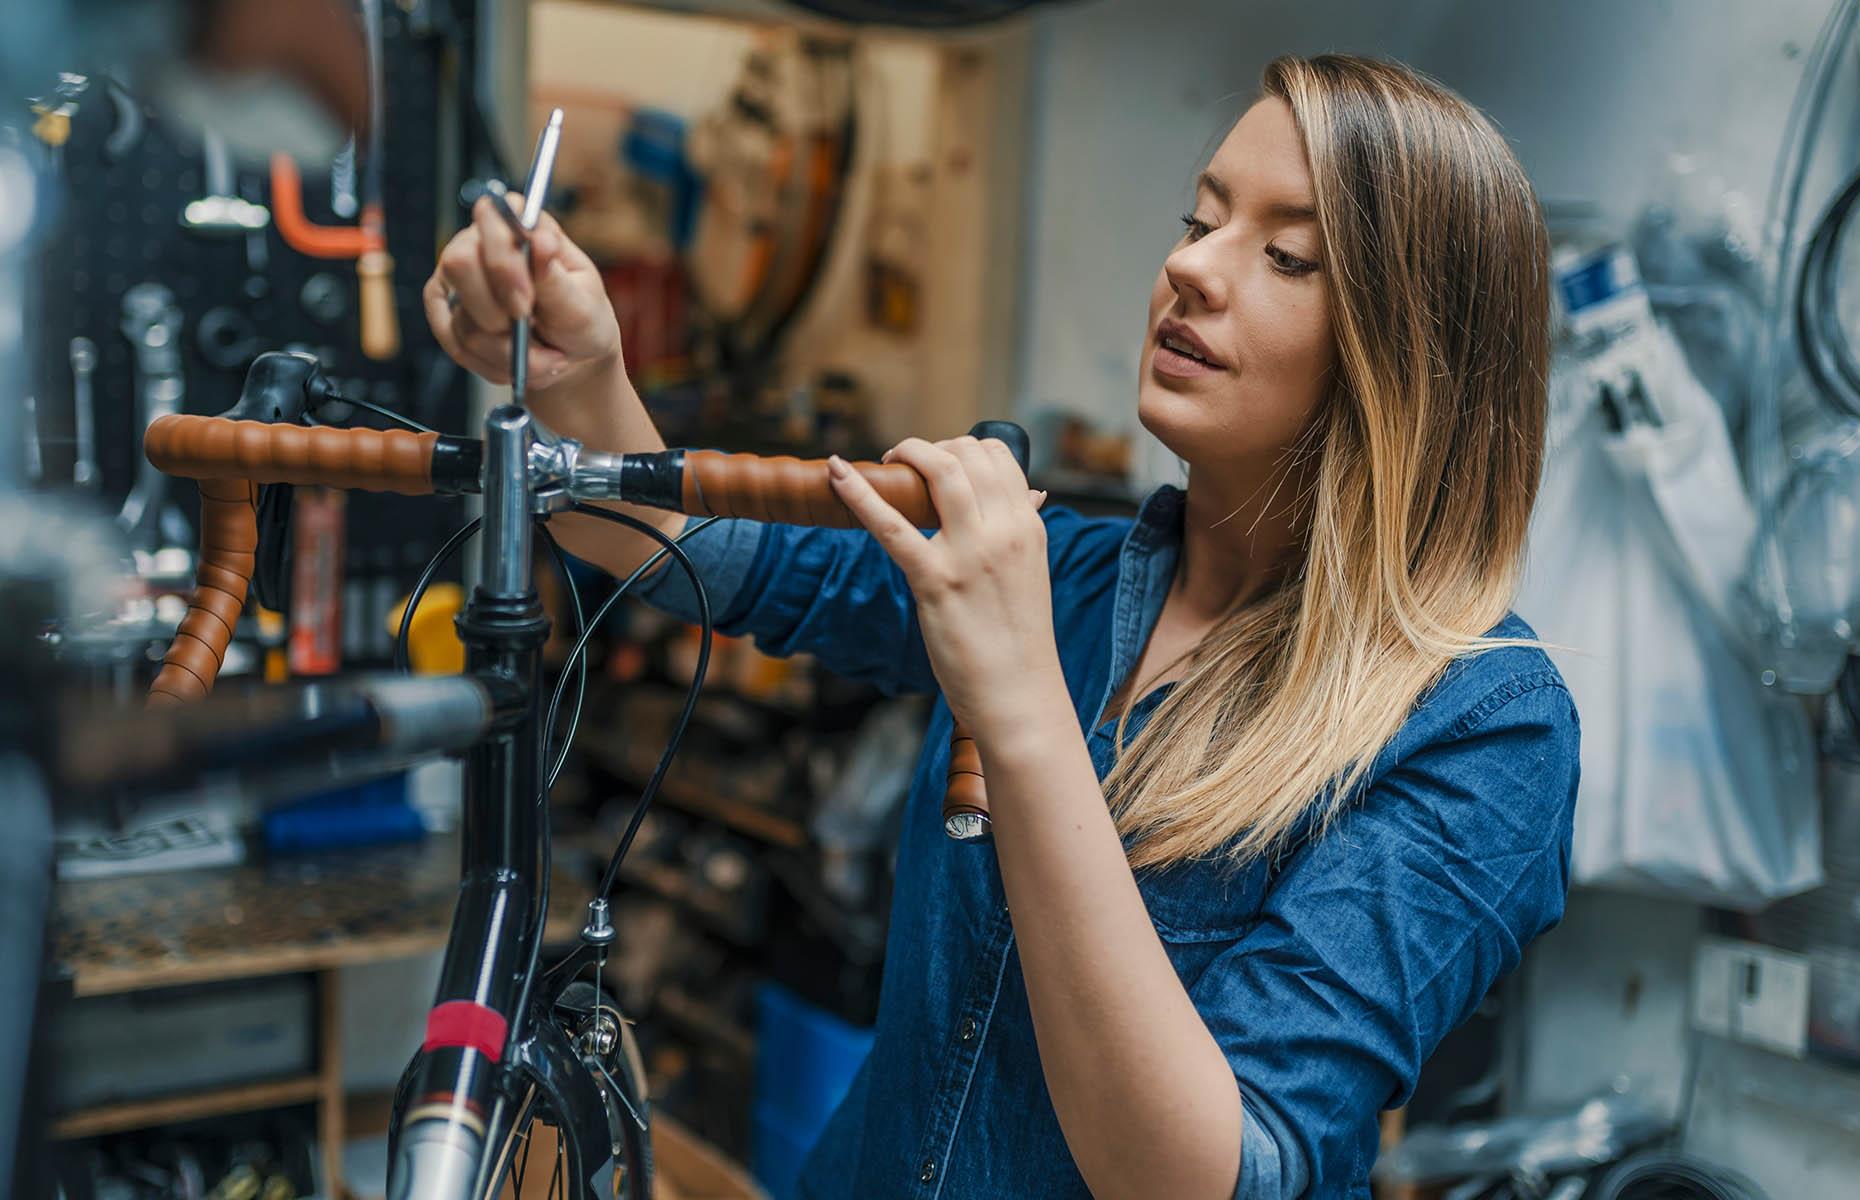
(231, 459)
(964, 789)
(228, 554)
(794, 491)
(369, 460)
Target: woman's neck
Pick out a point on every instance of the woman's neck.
(1242, 527)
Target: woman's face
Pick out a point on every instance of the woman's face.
(1238, 351)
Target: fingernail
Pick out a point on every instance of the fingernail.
(836, 466)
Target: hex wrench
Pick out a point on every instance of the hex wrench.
(542, 168)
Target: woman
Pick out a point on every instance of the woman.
(1279, 786)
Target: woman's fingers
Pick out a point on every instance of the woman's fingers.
(994, 488)
(461, 269)
(482, 354)
(1004, 458)
(506, 266)
(951, 491)
(550, 247)
(444, 320)
(898, 536)
(995, 474)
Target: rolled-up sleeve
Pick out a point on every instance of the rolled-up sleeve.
(1382, 934)
(722, 554)
(1265, 1172)
(832, 593)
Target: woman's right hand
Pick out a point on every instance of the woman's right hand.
(482, 284)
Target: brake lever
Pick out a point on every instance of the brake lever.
(271, 570)
(281, 388)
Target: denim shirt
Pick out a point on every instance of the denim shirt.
(1326, 976)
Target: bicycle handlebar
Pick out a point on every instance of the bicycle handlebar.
(793, 491)
(369, 460)
(262, 734)
(228, 555)
(231, 457)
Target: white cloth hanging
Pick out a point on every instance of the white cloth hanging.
(1697, 780)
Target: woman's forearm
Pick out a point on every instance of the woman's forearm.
(1147, 1101)
(599, 408)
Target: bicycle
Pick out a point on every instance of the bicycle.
(508, 1046)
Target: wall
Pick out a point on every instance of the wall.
(929, 129)
(1603, 101)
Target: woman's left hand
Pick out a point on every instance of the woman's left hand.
(984, 592)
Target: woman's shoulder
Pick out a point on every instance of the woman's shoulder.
(1489, 759)
(1508, 688)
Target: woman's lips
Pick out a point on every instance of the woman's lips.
(1172, 364)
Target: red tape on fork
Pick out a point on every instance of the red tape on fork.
(468, 1024)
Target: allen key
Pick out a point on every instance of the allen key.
(542, 168)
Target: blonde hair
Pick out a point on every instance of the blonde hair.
(1435, 264)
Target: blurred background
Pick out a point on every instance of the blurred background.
(826, 226)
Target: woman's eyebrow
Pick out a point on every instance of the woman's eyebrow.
(1281, 210)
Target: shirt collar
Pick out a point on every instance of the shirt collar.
(1145, 568)
(1159, 519)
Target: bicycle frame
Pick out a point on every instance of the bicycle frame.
(459, 1097)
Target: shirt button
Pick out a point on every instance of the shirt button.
(968, 1029)
(929, 1171)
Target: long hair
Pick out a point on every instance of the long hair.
(1428, 449)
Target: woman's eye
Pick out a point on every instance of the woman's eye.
(1196, 227)
(1289, 264)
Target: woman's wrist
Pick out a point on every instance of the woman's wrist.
(1024, 720)
(590, 403)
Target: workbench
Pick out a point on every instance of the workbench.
(311, 914)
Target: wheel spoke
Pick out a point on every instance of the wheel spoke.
(521, 1163)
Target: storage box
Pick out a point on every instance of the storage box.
(156, 1043)
(806, 1060)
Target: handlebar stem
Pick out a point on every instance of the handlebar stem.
(508, 436)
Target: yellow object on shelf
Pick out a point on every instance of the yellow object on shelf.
(272, 637)
(433, 645)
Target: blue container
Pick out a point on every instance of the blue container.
(806, 1059)
(776, 1152)
(368, 814)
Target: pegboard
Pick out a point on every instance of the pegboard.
(120, 227)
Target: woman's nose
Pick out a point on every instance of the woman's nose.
(1193, 273)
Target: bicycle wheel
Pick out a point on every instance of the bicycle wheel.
(529, 1164)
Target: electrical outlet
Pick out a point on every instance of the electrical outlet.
(1751, 993)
